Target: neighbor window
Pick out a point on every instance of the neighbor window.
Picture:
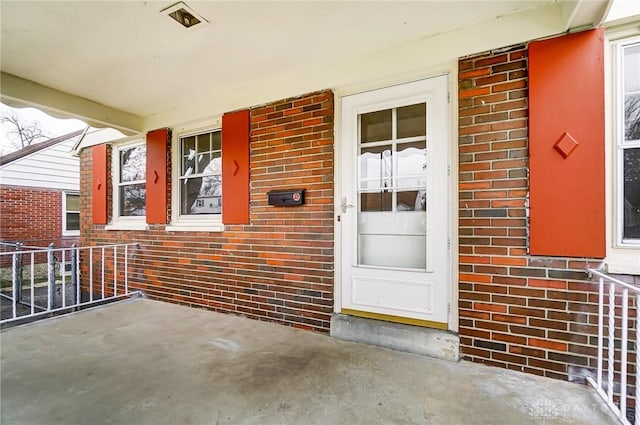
(628, 142)
(129, 181)
(200, 179)
(70, 214)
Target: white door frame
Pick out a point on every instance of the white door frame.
(451, 71)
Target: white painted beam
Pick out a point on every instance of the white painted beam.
(18, 92)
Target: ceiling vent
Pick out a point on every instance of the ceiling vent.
(184, 15)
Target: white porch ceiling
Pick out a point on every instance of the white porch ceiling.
(125, 62)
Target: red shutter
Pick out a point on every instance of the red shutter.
(100, 184)
(235, 167)
(157, 151)
(566, 144)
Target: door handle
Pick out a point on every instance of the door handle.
(344, 205)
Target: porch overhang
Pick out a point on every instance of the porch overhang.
(135, 83)
(19, 92)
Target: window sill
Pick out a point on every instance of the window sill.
(127, 226)
(182, 227)
(624, 260)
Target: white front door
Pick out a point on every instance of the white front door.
(394, 208)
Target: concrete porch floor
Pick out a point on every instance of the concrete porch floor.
(148, 362)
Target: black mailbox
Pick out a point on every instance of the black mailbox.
(286, 198)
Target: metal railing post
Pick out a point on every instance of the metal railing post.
(75, 284)
(51, 277)
(17, 273)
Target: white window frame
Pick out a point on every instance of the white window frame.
(66, 232)
(119, 222)
(188, 223)
(623, 255)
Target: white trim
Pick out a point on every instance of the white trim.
(66, 232)
(127, 226)
(123, 222)
(450, 69)
(394, 93)
(194, 228)
(623, 256)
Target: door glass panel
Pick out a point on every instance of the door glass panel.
(376, 201)
(375, 126)
(375, 167)
(412, 164)
(392, 189)
(412, 120)
(411, 200)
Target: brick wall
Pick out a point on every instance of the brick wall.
(536, 314)
(32, 216)
(277, 268)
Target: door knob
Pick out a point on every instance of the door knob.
(345, 205)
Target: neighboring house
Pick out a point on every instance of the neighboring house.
(460, 181)
(40, 193)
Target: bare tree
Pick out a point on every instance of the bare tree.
(23, 133)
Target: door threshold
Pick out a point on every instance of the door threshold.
(396, 319)
(436, 343)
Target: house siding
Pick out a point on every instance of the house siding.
(530, 313)
(279, 267)
(54, 167)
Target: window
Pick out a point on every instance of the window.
(200, 180)
(129, 195)
(628, 143)
(70, 213)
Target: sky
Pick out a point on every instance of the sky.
(51, 127)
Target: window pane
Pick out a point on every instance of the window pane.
(632, 117)
(203, 161)
(375, 167)
(208, 190)
(215, 166)
(73, 221)
(133, 200)
(188, 155)
(73, 202)
(203, 143)
(375, 126)
(216, 141)
(631, 206)
(412, 120)
(133, 163)
(632, 68)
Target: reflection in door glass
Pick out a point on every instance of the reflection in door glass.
(376, 201)
(393, 188)
(375, 126)
(412, 120)
(375, 167)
